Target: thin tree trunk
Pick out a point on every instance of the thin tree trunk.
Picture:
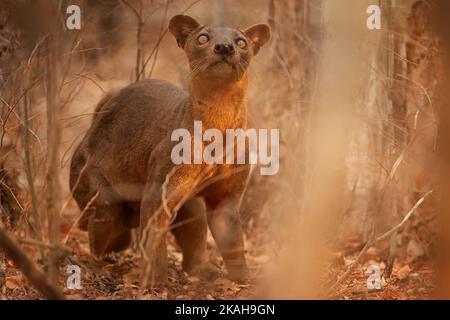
(397, 102)
(36, 228)
(53, 194)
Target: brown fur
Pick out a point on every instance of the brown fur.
(123, 161)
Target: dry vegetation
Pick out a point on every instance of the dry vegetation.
(362, 168)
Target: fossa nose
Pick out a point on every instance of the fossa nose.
(225, 48)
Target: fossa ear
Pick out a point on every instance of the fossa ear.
(258, 34)
(181, 26)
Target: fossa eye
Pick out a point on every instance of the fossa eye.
(202, 39)
(241, 43)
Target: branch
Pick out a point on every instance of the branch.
(36, 277)
(161, 36)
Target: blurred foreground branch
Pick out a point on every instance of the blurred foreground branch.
(442, 29)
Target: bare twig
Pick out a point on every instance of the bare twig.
(161, 37)
(75, 223)
(140, 44)
(44, 245)
(372, 241)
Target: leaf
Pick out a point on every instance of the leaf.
(108, 266)
(404, 272)
(65, 228)
(393, 295)
(348, 261)
(130, 278)
(224, 282)
(10, 264)
(193, 279)
(262, 259)
(14, 282)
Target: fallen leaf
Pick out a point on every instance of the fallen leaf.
(393, 295)
(10, 264)
(348, 261)
(372, 252)
(223, 282)
(13, 282)
(65, 228)
(262, 259)
(193, 279)
(404, 272)
(164, 295)
(130, 278)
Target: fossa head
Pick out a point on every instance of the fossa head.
(218, 53)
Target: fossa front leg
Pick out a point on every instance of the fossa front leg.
(223, 202)
(161, 199)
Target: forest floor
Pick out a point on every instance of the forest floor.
(411, 279)
(117, 276)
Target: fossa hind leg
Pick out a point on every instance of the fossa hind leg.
(105, 226)
(119, 243)
(104, 216)
(129, 219)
